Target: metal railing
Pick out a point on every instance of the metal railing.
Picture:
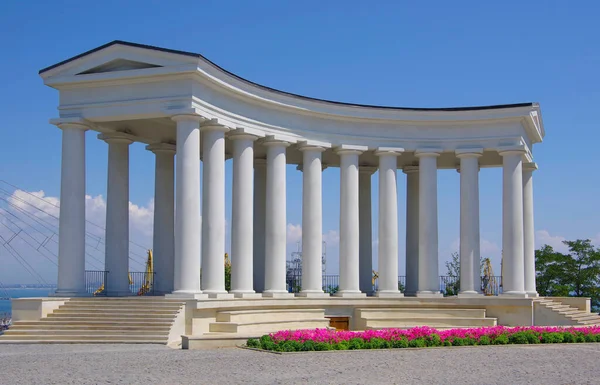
(95, 281)
(140, 282)
(449, 285)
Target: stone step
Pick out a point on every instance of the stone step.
(99, 323)
(112, 311)
(590, 322)
(402, 313)
(584, 317)
(88, 305)
(247, 316)
(17, 341)
(103, 326)
(85, 336)
(87, 332)
(448, 322)
(267, 326)
(132, 299)
(121, 315)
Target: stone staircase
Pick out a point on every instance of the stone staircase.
(146, 320)
(405, 317)
(234, 327)
(554, 313)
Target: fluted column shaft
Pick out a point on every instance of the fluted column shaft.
(412, 230)
(275, 221)
(117, 215)
(71, 227)
(187, 208)
(428, 225)
(469, 222)
(312, 222)
(242, 216)
(213, 211)
(528, 230)
(349, 224)
(260, 202)
(513, 279)
(164, 217)
(365, 220)
(388, 225)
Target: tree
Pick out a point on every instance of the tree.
(576, 273)
(452, 284)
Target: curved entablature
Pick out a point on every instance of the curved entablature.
(137, 89)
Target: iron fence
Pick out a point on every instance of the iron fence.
(141, 283)
(95, 281)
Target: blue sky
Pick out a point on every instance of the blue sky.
(421, 54)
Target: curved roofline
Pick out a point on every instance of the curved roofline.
(199, 56)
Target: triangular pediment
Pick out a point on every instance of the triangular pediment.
(118, 65)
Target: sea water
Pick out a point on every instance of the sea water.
(5, 305)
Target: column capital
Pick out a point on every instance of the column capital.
(187, 117)
(212, 125)
(390, 151)
(410, 169)
(274, 142)
(116, 138)
(241, 135)
(350, 149)
(428, 152)
(511, 150)
(73, 123)
(367, 169)
(163, 148)
(313, 145)
(469, 152)
(530, 166)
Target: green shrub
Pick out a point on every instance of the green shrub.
(434, 340)
(342, 345)
(458, 341)
(568, 337)
(355, 343)
(308, 346)
(448, 342)
(518, 338)
(253, 343)
(400, 344)
(417, 343)
(579, 337)
(484, 340)
(321, 346)
(502, 339)
(590, 338)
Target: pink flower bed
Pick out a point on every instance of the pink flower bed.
(326, 339)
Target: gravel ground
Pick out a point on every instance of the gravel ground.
(153, 364)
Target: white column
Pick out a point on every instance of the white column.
(429, 285)
(470, 283)
(388, 223)
(312, 222)
(412, 230)
(513, 279)
(164, 217)
(117, 215)
(242, 216)
(187, 208)
(275, 220)
(528, 230)
(365, 224)
(260, 202)
(71, 227)
(349, 222)
(213, 211)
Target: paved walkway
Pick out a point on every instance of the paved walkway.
(152, 364)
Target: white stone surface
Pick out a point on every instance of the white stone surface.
(513, 276)
(71, 237)
(529, 230)
(164, 217)
(187, 207)
(388, 223)
(117, 216)
(428, 284)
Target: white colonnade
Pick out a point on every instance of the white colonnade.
(259, 217)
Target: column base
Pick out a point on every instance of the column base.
(69, 293)
(429, 294)
(186, 295)
(514, 294)
(313, 294)
(220, 295)
(350, 294)
(389, 294)
(246, 294)
(532, 294)
(470, 294)
(277, 294)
